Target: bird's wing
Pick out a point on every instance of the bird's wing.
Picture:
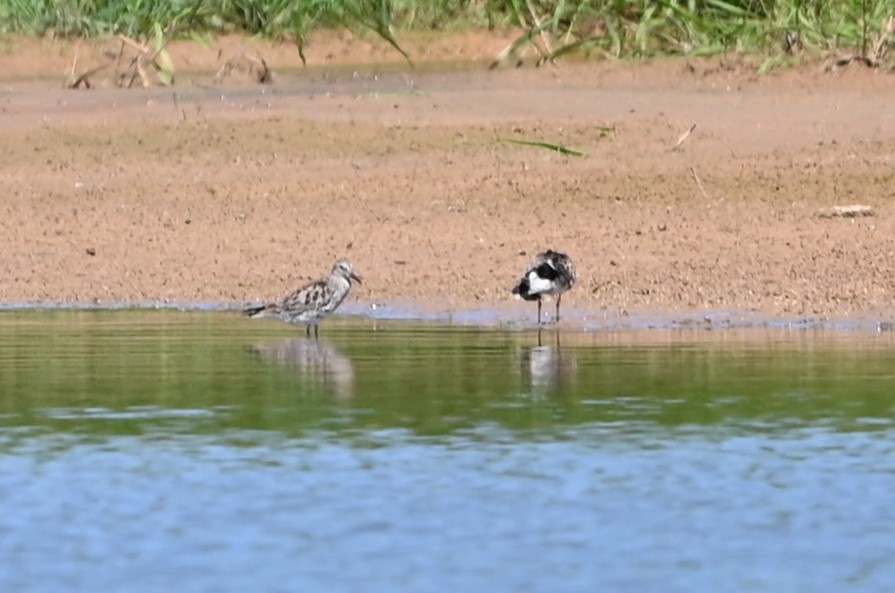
(303, 298)
(567, 268)
(546, 271)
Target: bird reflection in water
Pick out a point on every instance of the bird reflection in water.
(316, 360)
(547, 367)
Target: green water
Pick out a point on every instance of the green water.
(84, 371)
(208, 452)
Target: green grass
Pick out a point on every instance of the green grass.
(772, 29)
(553, 147)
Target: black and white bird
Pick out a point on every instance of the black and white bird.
(313, 302)
(550, 272)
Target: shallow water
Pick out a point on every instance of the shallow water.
(142, 451)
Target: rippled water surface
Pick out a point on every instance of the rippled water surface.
(152, 451)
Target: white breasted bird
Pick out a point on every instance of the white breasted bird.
(549, 273)
(313, 302)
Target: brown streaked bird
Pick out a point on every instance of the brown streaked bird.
(550, 272)
(313, 302)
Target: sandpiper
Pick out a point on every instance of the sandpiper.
(550, 272)
(313, 302)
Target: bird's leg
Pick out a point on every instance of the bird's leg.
(558, 301)
(539, 337)
(308, 330)
(316, 331)
(539, 311)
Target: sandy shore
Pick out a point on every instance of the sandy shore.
(232, 192)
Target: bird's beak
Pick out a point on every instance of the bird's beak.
(356, 278)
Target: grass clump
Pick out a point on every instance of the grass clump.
(646, 28)
(553, 28)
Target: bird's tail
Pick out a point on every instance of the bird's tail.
(257, 310)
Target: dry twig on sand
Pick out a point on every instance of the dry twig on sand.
(545, 39)
(684, 137)
(84, 78)
(144, 61)
(253, 66)
(73, 81)
(875, 58)
(699, 183)
(538, 28)
(850, 211)
(158, 60)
